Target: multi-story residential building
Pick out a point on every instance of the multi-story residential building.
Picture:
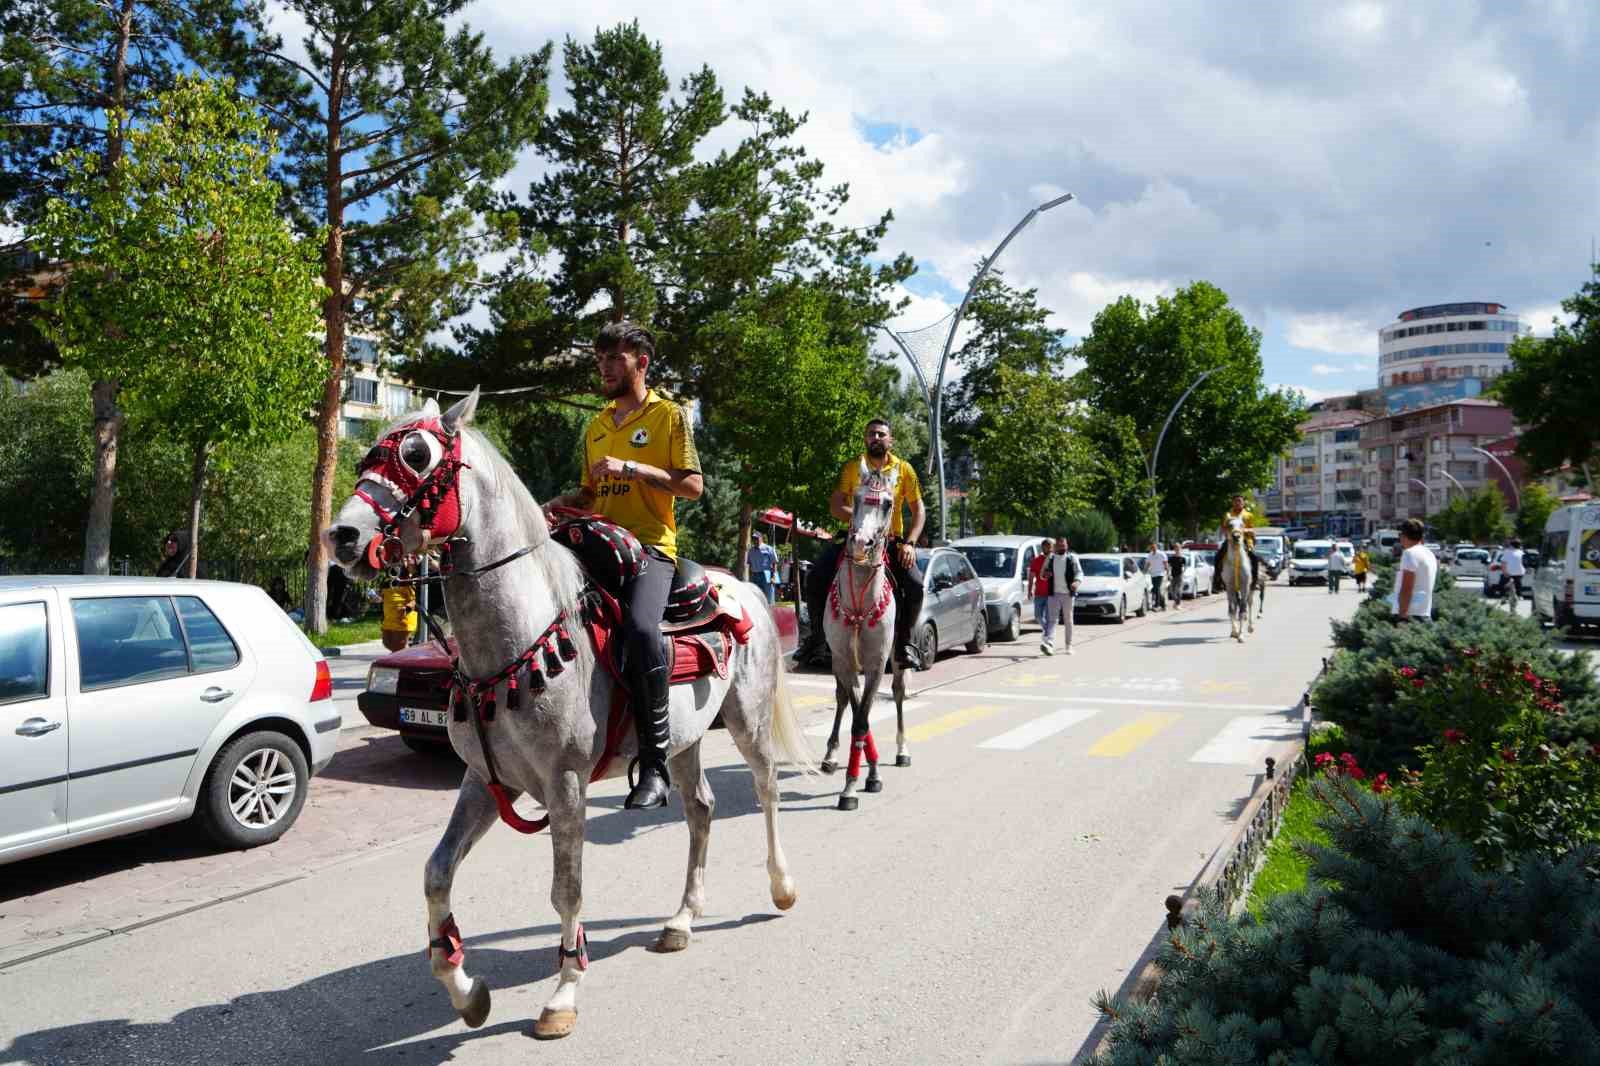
(1444, 352)
(373, 396)
(1413, 459)
(1318, 484)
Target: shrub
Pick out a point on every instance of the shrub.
(1358, 691)
(1492, 775)
(1089, 531)
(1402, 951)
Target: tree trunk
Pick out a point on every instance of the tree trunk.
(197, 485)
(741, 565)
(333, 385)
(107, 430)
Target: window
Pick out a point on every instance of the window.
(363, 390)
(356, 428)
(397, 400)
(362, 350)
(126, 640)
(991, 562)
(24, 653)
(210, 647)
(963, 569)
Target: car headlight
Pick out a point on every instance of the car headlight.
(384, 680)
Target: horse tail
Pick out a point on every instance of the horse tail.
(787, 739)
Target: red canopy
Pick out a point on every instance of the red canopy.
(774, 517)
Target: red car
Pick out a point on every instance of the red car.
(408, 690)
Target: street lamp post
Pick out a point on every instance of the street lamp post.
(1155, 453)
(1516, 495)
(1424, 484)
(949, 341)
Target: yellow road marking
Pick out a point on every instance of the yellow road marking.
(1030, 680)
(1130, 736)
(954, 720)
(1220, 686)
(814, 701)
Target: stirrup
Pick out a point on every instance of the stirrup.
(634, 788)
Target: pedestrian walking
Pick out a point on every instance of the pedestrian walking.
(1362, 564)
(174, 554)
(1175, 564)
(1039, 584)
(1156, 565)
(1412, 598)
(1064, 578)
(762, 562)
(1336, 569)
(1515, 567)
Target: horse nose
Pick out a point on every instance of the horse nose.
(346, 543)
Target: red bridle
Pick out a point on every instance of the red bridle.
(434, 494)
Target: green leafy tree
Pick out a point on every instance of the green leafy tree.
(1140, 358)
(1538, 504)
(1553, 390)
(1087, 531)
(1117, 480)
(186, 285)
(1479, 517)
(396, 125)
(1005, 329)
(65, 66)
(1030, 457)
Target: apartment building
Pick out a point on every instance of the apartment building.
(1318, 482)
(373, 395)
(1412, 460)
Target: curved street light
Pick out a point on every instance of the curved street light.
(944, 357)
(1515, 494)
(1424, 484)
(1454, 482)
(1155, 453)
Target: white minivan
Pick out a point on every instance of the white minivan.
(1566, 586)
(1002, 563)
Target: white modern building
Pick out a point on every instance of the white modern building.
(1443, 352)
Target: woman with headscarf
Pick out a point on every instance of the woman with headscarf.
(174, 554)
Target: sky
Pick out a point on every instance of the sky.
(1326, 164)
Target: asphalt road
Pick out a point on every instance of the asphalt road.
(965, 914)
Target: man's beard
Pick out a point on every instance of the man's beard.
(877, 449)
(622, 388)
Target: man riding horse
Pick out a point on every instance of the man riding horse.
(639, 458)
(1242, 513)
(877, 464)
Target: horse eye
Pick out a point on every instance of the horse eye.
(414, 452)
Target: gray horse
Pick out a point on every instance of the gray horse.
(859, 624)
(548, 738)
(1236, 580)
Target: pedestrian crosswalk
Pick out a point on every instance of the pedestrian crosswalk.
(1099, 729)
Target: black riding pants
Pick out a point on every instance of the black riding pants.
(644, 649)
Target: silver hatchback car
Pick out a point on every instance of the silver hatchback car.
(128, 703)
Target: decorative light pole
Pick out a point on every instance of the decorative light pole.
(1155, 453)
(1424, 484)
(1516, 495)
(936, 393)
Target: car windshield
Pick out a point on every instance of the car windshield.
(990, 562)
(1101, 567)
(1311, 551)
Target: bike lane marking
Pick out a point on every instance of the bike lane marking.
(1044, 727)
(1120, 742)
(950, 722)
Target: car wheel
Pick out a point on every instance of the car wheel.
(1012, 630)
(1122, 611)
(927, 646)
(254, 790)
(980, 635)
(434, 749)
(1144, 605)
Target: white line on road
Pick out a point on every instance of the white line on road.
(1030, 733)
(1247, 741)
(965, 694)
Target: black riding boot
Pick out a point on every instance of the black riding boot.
(651, 724)
(1216, 570)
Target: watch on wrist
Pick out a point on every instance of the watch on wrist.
(630, 469)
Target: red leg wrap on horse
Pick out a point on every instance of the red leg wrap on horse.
(856, 748)
(448, 941)
(509, 815)
(580, 954)
(872, 749)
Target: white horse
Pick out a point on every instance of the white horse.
(1236, 580)
(519, 602)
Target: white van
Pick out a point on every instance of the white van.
(1387, 542)
(1002, 562)
(1566, 586)
(1308, 564)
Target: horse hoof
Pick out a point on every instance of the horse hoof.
(476, 1012)
(555, 1024)
(849, 803)
(671, 940)
(902, 760)
(872, 785)
(828, 767)
(784, 902)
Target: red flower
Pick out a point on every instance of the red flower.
(1507, 755)
(1455, 736)
(1469, 653)
(1356, 772)
(1530, 677)
(1324, 759)
(1380, 784)
(1408, 671)
(1417, 682)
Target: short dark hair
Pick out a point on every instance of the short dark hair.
(884, 422)
(1411, 529)
(1515, 543)
(625, 336)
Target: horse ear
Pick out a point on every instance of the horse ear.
(461, 412)
(431, 408)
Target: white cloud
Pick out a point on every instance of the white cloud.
(1540, 318)
(1332, 333)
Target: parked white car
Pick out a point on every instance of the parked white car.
(1470, 562)
(1308, 563)
(1197, 573)
(128, 703)
(1112, 586)
(1002, 565)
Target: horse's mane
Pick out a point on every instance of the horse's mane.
(559, 569)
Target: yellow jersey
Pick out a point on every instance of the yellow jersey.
(1249, 520)
(657, 434)
(907, 487)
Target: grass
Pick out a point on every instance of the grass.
(1286, 869)
(342, 633)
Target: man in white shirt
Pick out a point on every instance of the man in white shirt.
(1156, 565)
(1412, 598)
(1515, 568)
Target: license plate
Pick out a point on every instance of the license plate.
(424, 716)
